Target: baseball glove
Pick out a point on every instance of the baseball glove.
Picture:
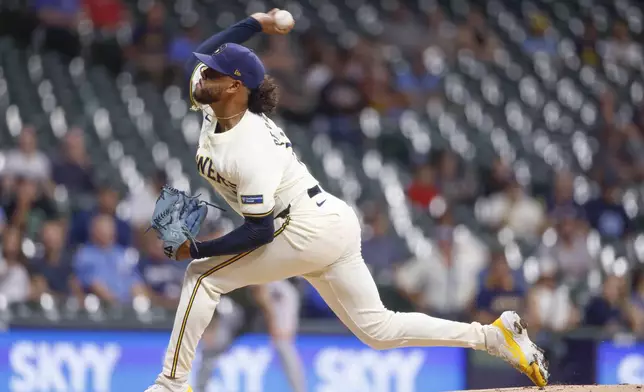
(177, 218)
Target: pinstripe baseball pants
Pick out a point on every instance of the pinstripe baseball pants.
(321, 243)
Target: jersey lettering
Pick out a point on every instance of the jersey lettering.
(201, 164)
(204, 165)
(281, 139)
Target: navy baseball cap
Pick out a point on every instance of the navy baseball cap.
(236, 61)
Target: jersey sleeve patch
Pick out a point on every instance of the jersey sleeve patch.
(252, 199)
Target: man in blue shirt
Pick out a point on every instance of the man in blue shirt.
(499, 291)
(607, 310)
(382, 250)
(103, 267)
(51, 270)
(607, 214)
(108, 199)
(183, 45)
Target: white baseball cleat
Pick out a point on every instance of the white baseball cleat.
(513, 345)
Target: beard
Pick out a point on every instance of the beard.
(207, 96)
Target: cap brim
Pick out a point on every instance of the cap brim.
(210, 62)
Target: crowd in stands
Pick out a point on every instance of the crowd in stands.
(95, 247)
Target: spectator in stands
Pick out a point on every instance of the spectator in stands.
(539, 41)
(570, 251)
(457, 186)
(365, 57)
(621, 140)
(444, 282)
(103, 267)
(14, 280)
(609, 310)
(587, 45)
(381, 249)
(399, 26)
(441, 33)
(27, 160)
(110, 19)
(632, 158)
(624, 151)
(60, 20)
(517, 275)
(141, 203)
(515, 209)
(51, 271)
(549, 306)
(163, 277)
(423, 188)
(499, 292)
(608, 110)
(341, 101)
(73, 167)
(283, 64)
(606, 213)
(474, 35)
(318, 58)
(497, 178)
(183, 45)
(30, 206)
(108, 199)
(621, 49)
(150, 43)
(562, 195)
(417, 83)
(378, 85)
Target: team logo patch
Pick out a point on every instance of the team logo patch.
(237, 73)
(252, 199)
(219, 49)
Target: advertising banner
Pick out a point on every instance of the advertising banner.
(97, 361)
(620, 363)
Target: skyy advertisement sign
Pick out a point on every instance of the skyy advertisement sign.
(106, 361)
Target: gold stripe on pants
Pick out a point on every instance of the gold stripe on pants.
(211, 271)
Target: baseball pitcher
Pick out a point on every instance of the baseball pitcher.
(292, 227)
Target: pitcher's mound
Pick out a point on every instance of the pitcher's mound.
(572, 388)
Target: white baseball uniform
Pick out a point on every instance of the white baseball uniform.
(254, 168)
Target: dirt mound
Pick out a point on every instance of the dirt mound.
(572, 388)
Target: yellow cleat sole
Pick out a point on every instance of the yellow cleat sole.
(532, 369)
(534, 373)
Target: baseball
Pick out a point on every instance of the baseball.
(283, 19)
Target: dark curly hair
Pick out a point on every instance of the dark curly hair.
(264, 99)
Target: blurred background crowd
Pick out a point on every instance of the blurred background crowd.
(494, 149)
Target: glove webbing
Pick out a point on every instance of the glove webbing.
(166, 188)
